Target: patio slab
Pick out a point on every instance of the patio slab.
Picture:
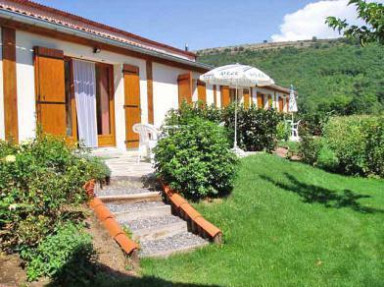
(123, 164)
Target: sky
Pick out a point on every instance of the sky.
(214, 23)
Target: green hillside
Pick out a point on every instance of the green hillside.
(334, 75)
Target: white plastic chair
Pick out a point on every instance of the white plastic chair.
(148, 138)
(295, 130)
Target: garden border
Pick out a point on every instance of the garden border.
(130, 247)
(196, 222)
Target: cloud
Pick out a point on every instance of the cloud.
(310, 21)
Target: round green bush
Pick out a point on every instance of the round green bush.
(195, 159)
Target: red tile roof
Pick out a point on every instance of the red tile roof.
(52, 15)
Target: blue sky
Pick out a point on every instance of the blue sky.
(209, 23)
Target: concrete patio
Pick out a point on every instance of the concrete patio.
(124, 164)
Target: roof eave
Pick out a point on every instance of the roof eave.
(25, 19)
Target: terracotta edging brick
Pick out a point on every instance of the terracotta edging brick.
(106, 217)
(196, 222)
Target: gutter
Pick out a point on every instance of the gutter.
(25, 19)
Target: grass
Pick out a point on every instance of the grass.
(286, 224)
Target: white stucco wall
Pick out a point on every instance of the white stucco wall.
(218, 96)
(210, 95)
(26, 83)
(254, 96)
(2, 126)
(165, 91)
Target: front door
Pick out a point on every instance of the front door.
(131, 104)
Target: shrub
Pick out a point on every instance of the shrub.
(346, 137)
(195, 159)
(282, 131)
(187, 112)
(36, 180)
(351, 145)
(66, 256)
(310, 148)
(257, 128)
(375, 148)
(327, 159)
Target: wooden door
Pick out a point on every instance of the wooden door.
(202, 91)
(184, 82)
(50, 90)
(246, 98)
(225, 96)
(131, 104)
(260, 101)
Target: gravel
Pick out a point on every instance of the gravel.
(151, 222)
(121, 190)
(163, 247)
(137, 206)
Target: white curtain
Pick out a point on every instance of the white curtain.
(85, 95)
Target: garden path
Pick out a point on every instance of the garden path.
(123, 164)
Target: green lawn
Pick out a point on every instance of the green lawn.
(286, 224)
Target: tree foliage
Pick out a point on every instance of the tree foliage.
(371, 13)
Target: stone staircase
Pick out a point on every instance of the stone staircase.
(142, 211)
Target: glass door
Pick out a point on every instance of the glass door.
(105, 105)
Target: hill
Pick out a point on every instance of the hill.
(329, 75)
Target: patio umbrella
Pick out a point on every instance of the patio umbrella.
(292, 107)
(237, 76)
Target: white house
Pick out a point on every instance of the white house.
(81, 79)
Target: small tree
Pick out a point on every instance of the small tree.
(373, 16)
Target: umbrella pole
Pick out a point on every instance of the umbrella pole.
(235, 141)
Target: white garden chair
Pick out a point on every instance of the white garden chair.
(148, 138)
(295, 131)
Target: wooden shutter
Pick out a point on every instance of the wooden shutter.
(184, 82)
(225, 97)
(10, 84)
(214, 96)
(132, 104)
(50, 90)
(202, 91)
(281, 104)
(246, 98)
(149, 70)
(287, 99)
(260, 101)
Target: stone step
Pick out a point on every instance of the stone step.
(153, 228)
(123, 206)
(132, 198)
(135, 214)
(119, 190)
(177, 243)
